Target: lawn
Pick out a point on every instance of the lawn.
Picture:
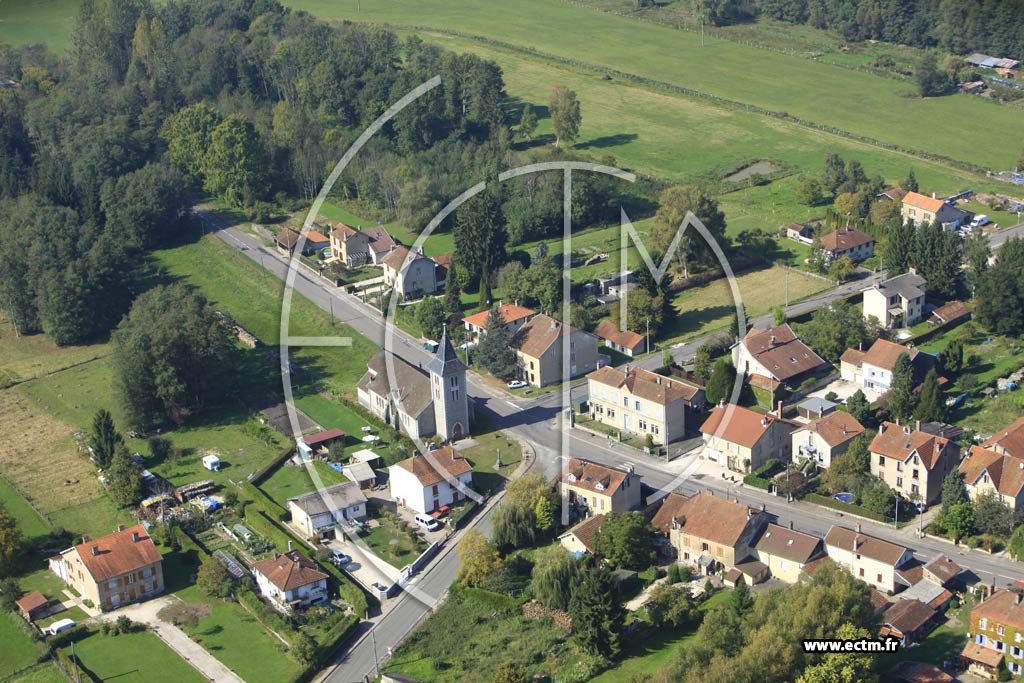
(38, 21)
(47, 672)
(29, 521)
(18, 650)
(75, 614)
(132, 657)
(394, 541)
(703, 309)
(862, 103)
(290, 481)
(483, 455)
(33, 355)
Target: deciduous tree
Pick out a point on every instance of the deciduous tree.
(478, 559)
(625, 540)
(11, 544)
(554, 577)
(213, 578)
(564, 109)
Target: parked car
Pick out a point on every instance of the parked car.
(339, 558)
(427, 522)
(516, 384)
(979, 220)
(58, 626)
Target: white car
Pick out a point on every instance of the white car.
(979, 220)
(516, 384)
(58, 626)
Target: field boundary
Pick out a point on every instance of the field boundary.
(42, 515)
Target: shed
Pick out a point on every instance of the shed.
(242, 532)
(361, 473)
(211, 462)
(814, 408)
(367, 456)
(32, 605)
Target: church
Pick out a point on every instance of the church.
(421, 402)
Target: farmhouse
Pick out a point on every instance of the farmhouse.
(513, 316)
(713, 534)
(623, 341)
(896, 302)
(921, 210)
(291, 580)
(912, 462)
(639, 402)
(426, 483)
(539, 351)
(826, 438)
(855, 244)
(872, 369)
(409, 273)
(743, 439)
(317, 514)
(594, 489)
(987, 471)
(117, 569)
(776, 357)
(871, 559)
(787, 552)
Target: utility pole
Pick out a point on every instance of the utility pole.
(897, 522)
(787, 287)
(647, 342)
(373, 637)
(78, 675)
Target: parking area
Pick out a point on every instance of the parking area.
(844, 390)
(365, 567)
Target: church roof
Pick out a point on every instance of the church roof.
(445, 362)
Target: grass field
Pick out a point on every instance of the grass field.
(290, 481)
(18, 651)
(133, 658)
(29, 521)
(703, 309)
(46, 672)
(35, 355)
(395, 543)
(24, 22)
(865, 104)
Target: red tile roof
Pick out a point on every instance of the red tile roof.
(585, 531)
(436, 466)
(644, 384)
(984, 655)
(1009, 441)
(1004, 607)
(588, 475)
(846, 238)
(883, 353)
(118, 553)
(740, 425)
(780, 351)
(836, 428)
(509, 313)
(31, 602)
(537, 336)
(670, 507)
(1005, 472)
(920, 201)
(712, 518)
(290, 571)
(869, 546)
(625, 338)
(320, 437)
(900, 442)
(287, 237)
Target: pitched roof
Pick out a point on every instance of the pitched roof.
(1010, 440)
(669, 508)
(287, 237)
(315, 236)
(380, 239)
(290, 571)
(919, 672)
(508, 313)
(846, 238)
(907, 285)
(342, 232)
(644, 384)
(396, 259)
(445, 361)
(883, 354)
(606, 329)
(411, 388)
(780, 351)
(740, 425)
(715, 519)
(943, 568)
(118, 553)
(788, 544)
(894, 193)
(907, 616)
(1003, 607)
(812, 567)
(338, 497)
(954, 310)
(1006, 472)
(900, 442)
(835, 428)
(321, 437)
(980, 653)
(921, 201)
(592, 476)
(31, 601)
(436, 466)
(879, 600)
(537, 336)
(868, 546)
(585, 531)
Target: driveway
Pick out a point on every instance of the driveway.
(366, 568)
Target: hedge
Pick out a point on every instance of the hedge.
(844, 507)
(273, 509)
(67, 665)
(759, 478)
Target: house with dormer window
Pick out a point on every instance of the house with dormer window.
(875, 561)
(912, 462)
(997, 635)
(988, 472)
(594, 489)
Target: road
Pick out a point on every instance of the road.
(539, 423)
(1000, 237)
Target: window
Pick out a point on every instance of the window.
(899, 482)
(654, 428)
(914, 488)
(861, 572)
(434, 490)
(983, 623)
(643, 425)
(999, 629)
(625, 401)
(914, 475)
(636, 405)
(881, 461)
(878, 579)
(705, 547)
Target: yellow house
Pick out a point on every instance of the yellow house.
(912, 462)
(786, 551)
(997, 632)
(539, 351)
(595, 489)
(988, 472)
(743, 439)
(115, 570)
(639, 402)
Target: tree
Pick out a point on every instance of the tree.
(625, 540)
(644, 312)
(721, 382)
(951, 358)
(188, 132)
(835, 173)
(931, 406)
(929, 78)
(123, 478)
(900, 397)
(171, 356)
(843, 667)
(236, 164)
(779, 316)
(674, 203)
(597, 615)
(976, 255)
(672, 606)
(841, 269)
(544, 514)
(554, 577)
(992, 515)
(953, 490)
(938, 256)
(144, 208)
(480, 240)
(104, 438)
(564, 109)
(848, 470)
(835, 328)
(959, 520)
(527, 122)
(431, 316)
(452, 292)
(478, 559)
(999, 296)
(303, 648)
(510, 672)
(878, 497)
(910, 183)
(859, 406)
(11, 544)
(494, 351)
(809, 191)
(742, 599)
(213, 578)
(514, 525)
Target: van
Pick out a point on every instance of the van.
(58, 626)
(427, 522)
(979, 220)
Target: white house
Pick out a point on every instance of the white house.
(873, 560)
(872, 369)
(426, 483)
(290, 580)
(317, 513)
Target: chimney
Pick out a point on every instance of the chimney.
(933, 195)
(858, 527)
(721, 402)
(95, 550)
(917, 426)
(120, 527)
(773, 340)
(135, 537)
(881, 428)
(762, 507)
(779, 410)
(85, 538)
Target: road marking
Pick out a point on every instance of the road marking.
(512, 404)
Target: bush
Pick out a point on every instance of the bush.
(974, 542)
(72, 635)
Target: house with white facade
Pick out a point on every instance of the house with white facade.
(872, 369)
(427, 482)
(776, 357)
(290, 581)
(409, 273)
(317, 514)
(896, 302)
(873, 560)
(825, 438)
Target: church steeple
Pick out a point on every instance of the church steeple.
(445, 361)
(449, 391)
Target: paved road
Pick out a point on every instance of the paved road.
(1000, 237)
(539, 423)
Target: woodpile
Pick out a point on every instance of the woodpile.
(535, 610)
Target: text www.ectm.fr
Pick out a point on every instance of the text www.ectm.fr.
(888, 644)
